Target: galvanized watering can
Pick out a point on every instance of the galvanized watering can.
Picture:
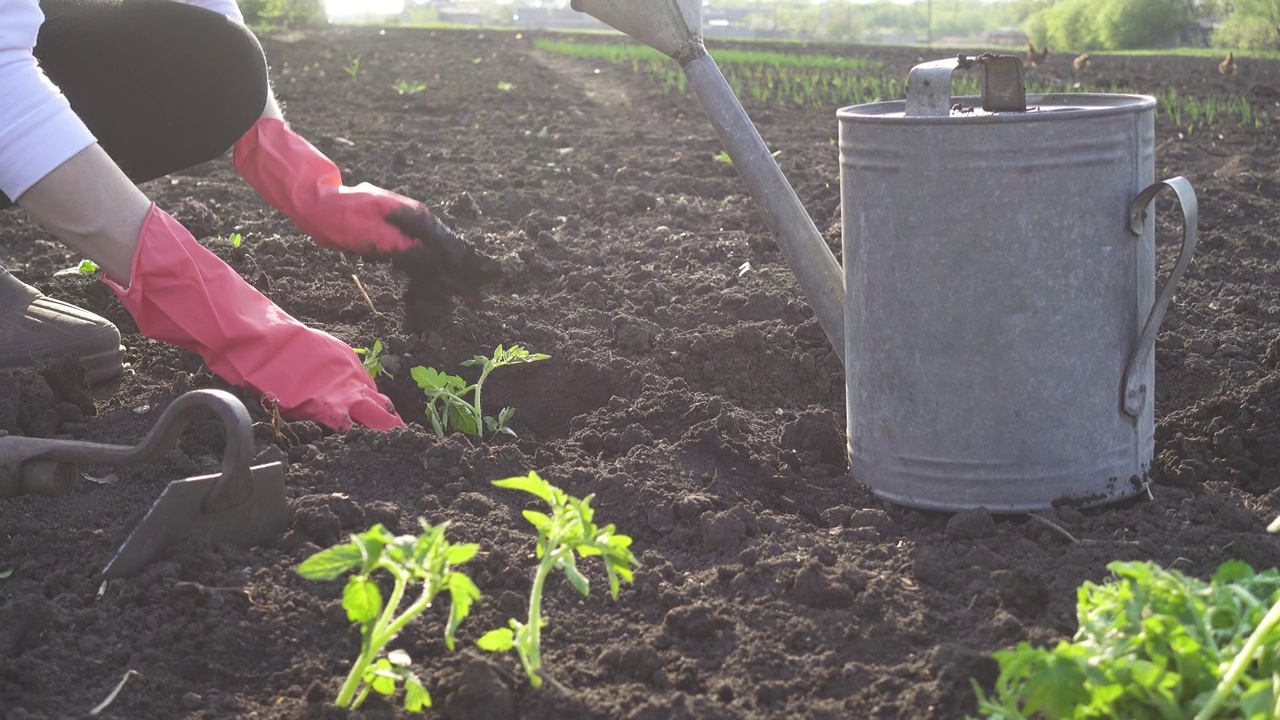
(997, 311)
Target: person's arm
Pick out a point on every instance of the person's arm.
(51, 164)
(299, 180)
(176, 290)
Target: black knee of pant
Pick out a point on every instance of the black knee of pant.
(162, 85)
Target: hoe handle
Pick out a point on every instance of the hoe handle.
(48, 466)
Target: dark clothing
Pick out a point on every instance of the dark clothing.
(162, 85)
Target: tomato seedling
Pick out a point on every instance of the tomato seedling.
(404, 87)
(352, 68)
(567, 530)
(1154, 643)
(452, 403)
(372, 360)
(428, 560)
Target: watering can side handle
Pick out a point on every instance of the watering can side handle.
(1135, 391)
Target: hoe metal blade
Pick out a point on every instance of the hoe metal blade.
(178, 514)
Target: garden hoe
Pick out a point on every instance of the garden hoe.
(241, 506)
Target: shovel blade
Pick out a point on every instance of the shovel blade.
(176, 516)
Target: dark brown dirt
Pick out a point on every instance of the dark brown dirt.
(704, 409)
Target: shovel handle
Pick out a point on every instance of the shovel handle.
(1135, 390)
(233, 485)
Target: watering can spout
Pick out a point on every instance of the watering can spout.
(674, 27)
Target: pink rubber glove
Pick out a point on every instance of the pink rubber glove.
(298, 180)
(184, 295)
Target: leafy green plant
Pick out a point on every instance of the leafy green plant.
(235, 239)
(372, 360)
(86, 267)
(352, 68)
(425, 560)
(569, 529)
(404, 87)
(452, 403)
(1154, 643)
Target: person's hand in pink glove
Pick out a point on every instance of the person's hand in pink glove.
(182, 294)
(297, 179)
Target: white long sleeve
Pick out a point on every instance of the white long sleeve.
(38, 130)
(222, 7)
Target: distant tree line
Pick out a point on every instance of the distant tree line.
(1131, 24)
(283, 13)
(1071, 25)
(1067, 25)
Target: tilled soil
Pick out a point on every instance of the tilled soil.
(697, 399)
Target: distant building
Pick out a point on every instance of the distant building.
(1007, 36)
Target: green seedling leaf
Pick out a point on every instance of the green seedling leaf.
(331, 563)
(86, 267)
(352, 68)
(532, 484)
(362, 599)
(499, 640)
(404, 87)
(234, 239)
(5, 573)
(416, 697)
(723, 156)
(566, 530)
(426, 560)
(505, 86)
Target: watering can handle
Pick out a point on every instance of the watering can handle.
(1135, 391)
(929, 85)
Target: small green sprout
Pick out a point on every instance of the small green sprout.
(447, 403)
(352, 68)
(86, 267)
(234, 240)
(505, 86)
(568, 529)
(723, 157)
(404, 87)
(427, 559)
(373, 360)
(5, 573)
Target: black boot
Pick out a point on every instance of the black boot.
(35, 328)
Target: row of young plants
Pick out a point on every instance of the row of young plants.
(825, 81)
(425, 566)
(428, 563)
(1151, 643)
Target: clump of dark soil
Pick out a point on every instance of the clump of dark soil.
(701, 405)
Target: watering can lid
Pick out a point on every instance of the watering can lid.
(1003, 98)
